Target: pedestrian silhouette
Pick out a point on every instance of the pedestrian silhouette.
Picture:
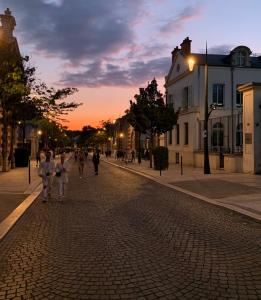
(96, 160)
(81, 159)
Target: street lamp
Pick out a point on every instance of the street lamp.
(121, 135)
(207, 111)
(206, 117)
(191, 63)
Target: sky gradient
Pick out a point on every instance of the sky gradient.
(110, 48)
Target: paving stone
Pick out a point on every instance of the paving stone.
(121, 236)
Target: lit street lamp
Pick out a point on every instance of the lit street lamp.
(207, 111)
(191, 63)
(121, 135)
(206, 117)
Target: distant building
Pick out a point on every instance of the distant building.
(124, 136)
(8, 24)
(185, 90)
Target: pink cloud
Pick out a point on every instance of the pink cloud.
(175, 25)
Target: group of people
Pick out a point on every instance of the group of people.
(124, 155)
(81, 157)
(48, 169)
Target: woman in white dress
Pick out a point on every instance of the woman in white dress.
(62, 169)
(46, 171)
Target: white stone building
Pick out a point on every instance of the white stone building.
(185, 90)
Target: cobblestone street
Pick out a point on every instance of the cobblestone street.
(121, 236)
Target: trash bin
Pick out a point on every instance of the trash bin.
(21, 157)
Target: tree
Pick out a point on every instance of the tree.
(108, 127)
(86, 135)
(22, 107)
(149, 114)
(50, 101)
(12, 89)
(138, 120)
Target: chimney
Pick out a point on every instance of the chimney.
(174, 52)
(186, 46)
(8, 23)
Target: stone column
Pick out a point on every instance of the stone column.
(251, 127)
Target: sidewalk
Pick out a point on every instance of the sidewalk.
(235, 191)
(15, 188)
(16, 194)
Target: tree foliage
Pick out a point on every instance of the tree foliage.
(51, 102)
(23, 98)
(149, 113)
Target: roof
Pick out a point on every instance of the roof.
(223, 60)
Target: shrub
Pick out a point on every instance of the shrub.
(161, 158)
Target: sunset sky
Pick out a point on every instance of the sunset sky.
(110, 48)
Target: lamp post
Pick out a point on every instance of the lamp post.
(206, 117)
(207, 111)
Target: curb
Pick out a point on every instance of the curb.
(241, 211)
(16, 214)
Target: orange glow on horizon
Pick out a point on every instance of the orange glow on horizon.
(101, 104)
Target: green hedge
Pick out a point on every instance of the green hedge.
(161, 158)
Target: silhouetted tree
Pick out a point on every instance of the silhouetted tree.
(149, 114)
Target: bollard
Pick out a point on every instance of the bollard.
(181, 166)
(29, 170)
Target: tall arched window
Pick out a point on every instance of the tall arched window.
(217, 135)
(239, 135)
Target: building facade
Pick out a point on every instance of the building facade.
(7, 39)
(186, 89)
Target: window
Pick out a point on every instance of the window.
(170, 101)
(170, 137)
(186, 137)
(218, 135)
(187, 97)
(241, 59)
(239, 100)
(218, 94)
(239, 135)
(177, 134)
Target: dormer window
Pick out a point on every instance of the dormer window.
(240, 56)
(241, 59)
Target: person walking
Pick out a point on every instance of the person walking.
(81, 159)
(45, 171)
(86, 154)
(61, 172)
(38, 158)
(96, 160)
(42, 156)
(132, 156)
